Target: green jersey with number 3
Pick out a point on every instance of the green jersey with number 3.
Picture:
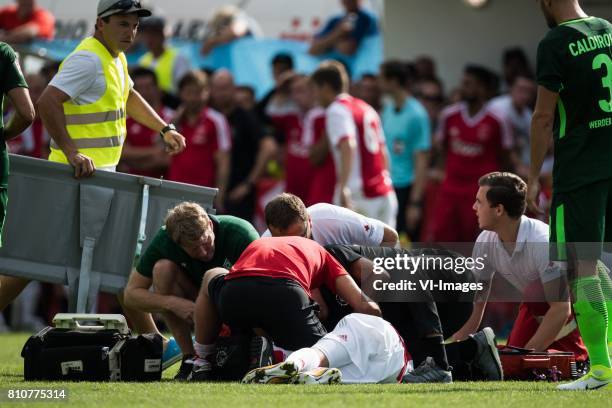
(575, 60)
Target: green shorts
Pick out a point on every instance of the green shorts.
(581, 222)
(3, 207)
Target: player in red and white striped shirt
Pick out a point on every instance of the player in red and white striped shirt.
(206, 161)
(358, 147)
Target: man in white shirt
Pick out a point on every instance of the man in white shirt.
(516, 247)
(84, 107)
(325, 223)
(88, 76)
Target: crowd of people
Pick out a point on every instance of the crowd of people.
(241, 145)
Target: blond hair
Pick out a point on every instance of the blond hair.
(186, 223)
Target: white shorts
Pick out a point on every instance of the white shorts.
(383, 208)
(377, 352)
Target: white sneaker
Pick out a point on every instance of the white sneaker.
(281, 373)
(597, 378)
(321, 375)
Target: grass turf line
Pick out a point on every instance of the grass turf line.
(168, 393)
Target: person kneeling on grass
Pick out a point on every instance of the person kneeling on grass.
(271, 288)
(361, 349)
(188, 244)
(516, 247)
(287, 215)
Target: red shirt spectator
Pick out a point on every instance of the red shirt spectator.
(299, 259)
(16, 19)
(33, 142)
(323, 177)
(298, 129)
(140, 136)
(209, 135)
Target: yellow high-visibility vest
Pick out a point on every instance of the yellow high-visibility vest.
(98, 129)
(163, 67)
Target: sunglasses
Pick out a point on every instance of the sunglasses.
(123, 5)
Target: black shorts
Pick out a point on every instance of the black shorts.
(278, 306)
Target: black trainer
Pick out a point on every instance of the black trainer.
(200, 373)
(185, 369)
(428, 372)
(260, 352)
(487, 359)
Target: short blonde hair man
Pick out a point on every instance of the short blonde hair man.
(169, 274)
(186, 223)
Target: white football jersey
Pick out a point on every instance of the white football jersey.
(332, 224)
(528, 262)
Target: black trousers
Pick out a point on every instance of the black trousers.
(280, 307)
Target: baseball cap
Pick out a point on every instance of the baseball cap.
(109, 7)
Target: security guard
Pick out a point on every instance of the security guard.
(85, 105)
(167, 62)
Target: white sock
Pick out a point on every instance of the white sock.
(336, 353)
(305, 359)
(203, 351)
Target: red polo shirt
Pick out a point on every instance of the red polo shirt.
(299, 259)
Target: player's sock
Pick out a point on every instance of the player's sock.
(592, 317)
(337, 355)
(305, 359)
(434, 347)
(606, 288)
(204, 352)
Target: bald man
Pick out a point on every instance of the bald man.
(248, 136)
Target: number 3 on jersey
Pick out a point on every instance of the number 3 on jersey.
(598, 63)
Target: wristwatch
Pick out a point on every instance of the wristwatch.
(167, 128)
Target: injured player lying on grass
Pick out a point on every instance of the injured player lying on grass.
(361, 349)
(417, 324)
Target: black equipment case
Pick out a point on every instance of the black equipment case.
(91, 347)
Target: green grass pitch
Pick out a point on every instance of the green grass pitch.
(169, 394)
